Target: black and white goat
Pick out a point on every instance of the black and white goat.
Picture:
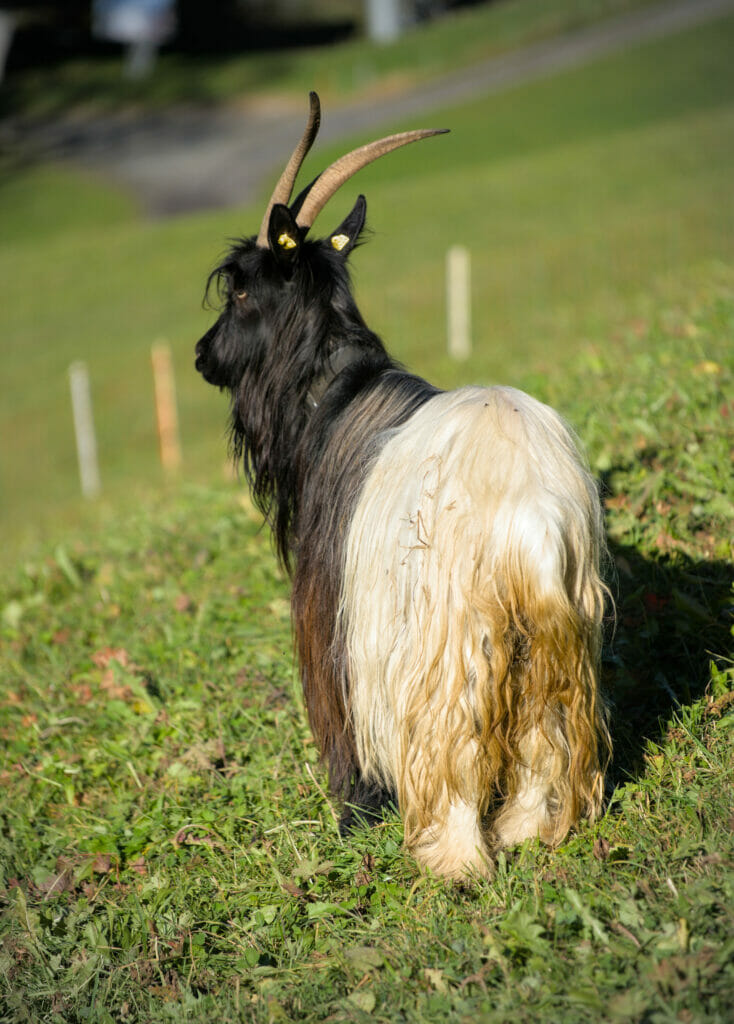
(444, 549)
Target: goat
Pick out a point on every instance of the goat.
(444, 549)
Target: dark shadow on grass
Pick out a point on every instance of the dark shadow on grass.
(673, 617)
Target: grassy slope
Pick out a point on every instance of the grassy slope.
(166, 850)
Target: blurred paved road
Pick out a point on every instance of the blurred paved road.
(190, 159)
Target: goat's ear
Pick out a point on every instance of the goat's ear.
(347, 234)
(284, 236)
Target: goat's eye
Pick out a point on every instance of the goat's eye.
(240, 296)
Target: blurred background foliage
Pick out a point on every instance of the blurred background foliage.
(57, 64)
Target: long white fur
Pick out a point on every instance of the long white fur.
(479, 505)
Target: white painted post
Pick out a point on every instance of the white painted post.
(383, 20)
(86, 442)
(458, 301)
(165, 405)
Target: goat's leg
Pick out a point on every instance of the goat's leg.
(443, 826)
(538, 807)
(365, 805)
(557, 776)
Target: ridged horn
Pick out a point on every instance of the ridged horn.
(334, 176)
(283, 189)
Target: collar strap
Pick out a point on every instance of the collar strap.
(339, 359)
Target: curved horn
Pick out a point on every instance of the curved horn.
(334, 176)
(283, 189)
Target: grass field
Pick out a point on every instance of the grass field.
(167, 850)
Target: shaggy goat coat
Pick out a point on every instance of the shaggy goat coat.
(444, 547)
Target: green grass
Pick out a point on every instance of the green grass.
(167, 851)
(359, 68)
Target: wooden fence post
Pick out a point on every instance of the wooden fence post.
(165, 405)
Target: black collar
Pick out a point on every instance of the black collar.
(338, 360)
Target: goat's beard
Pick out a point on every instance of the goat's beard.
(469, 625)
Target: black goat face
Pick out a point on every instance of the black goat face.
(232, 343)
(279, 305)
(222, 353)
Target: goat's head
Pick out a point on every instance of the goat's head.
(279, 289)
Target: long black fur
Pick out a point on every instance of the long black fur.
(281, 320)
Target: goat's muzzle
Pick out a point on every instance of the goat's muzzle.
(203, 360)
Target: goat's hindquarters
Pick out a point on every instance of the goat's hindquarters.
(471, 611)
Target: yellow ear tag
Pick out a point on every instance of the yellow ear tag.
(286, 242)
(339, 241)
